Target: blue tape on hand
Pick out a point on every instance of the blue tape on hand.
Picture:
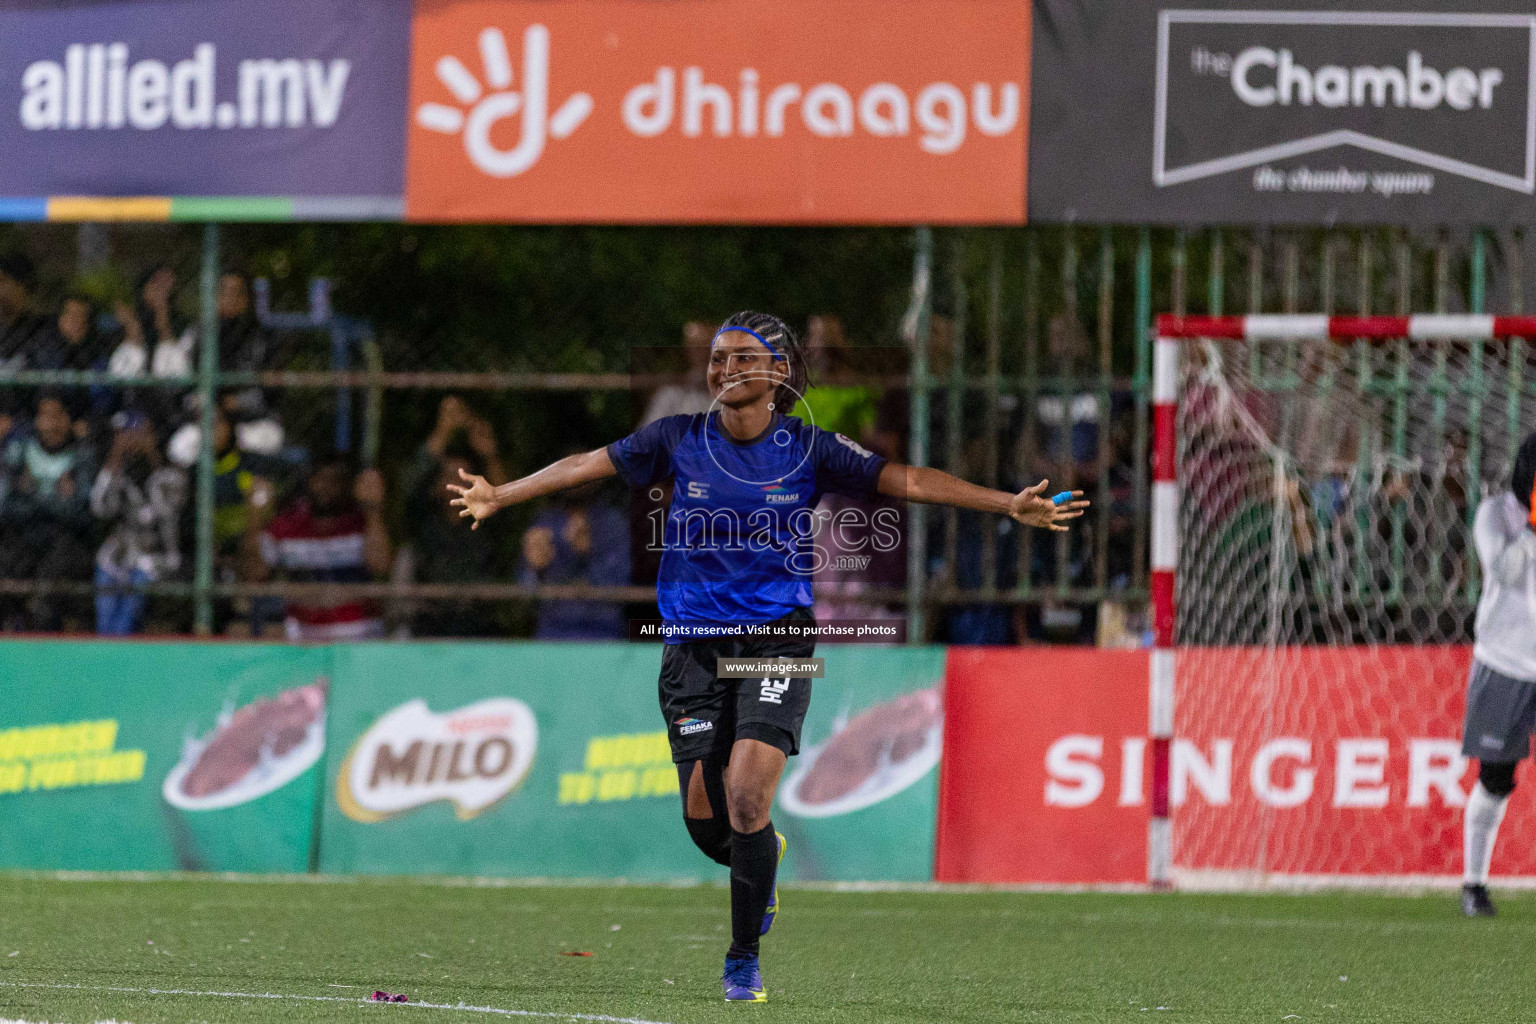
(1062, 498)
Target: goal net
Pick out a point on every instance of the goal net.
(1316, 583)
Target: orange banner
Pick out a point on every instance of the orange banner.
(795, 112)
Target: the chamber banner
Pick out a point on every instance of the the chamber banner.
(1282, 112)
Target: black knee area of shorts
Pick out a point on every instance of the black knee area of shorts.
(713, 836)
(1497, 777)
(765, 732)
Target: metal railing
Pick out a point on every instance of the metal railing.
(1015, 336)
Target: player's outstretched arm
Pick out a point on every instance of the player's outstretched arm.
(477, 498)
(936, 487)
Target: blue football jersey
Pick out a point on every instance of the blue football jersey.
(737, 539)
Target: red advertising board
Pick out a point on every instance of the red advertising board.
(1033, 785)
(803, 111)
(1307, 761)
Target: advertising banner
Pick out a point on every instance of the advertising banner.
(175, 756)
(1306, 762)
(203, 98)
(725, 111)
(1283, 112)
(551, 760)
(1043, 766)
(1328, 761)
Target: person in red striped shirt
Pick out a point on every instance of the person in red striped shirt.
(332, 533)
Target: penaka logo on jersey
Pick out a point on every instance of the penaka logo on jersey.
(684, 101)
(472, 756)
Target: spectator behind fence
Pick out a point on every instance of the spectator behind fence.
(45, 512)
(19, 323)
(160, 322)
(156, 339)
(687, 395)
(440, 549)
(244, 345)
(72, 343)
(140, 498)
(240, 479)
(20, 327)
(332, 533)
(578, 539)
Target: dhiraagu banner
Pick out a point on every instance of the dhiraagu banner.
(550, 760)
(160, 756)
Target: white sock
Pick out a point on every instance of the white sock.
(1481, 820)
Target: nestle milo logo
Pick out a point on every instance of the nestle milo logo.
(1451, 92)
(411, 756)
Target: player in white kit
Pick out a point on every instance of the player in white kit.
(1501, 689)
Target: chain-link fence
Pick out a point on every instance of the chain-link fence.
(247, 429)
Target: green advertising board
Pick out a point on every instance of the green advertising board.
(551, 760)
(860, 803)
(160, 756)
(522, 760)
(464, 759)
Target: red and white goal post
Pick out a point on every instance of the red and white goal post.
(1312, 583)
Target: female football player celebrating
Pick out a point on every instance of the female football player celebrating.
(737, 552)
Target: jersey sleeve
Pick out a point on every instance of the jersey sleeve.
(843, 466)
(1496, 528)
(645, 456)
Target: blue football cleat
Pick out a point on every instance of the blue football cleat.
(743, 982)
(773, 900)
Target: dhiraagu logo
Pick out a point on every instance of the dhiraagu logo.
(482, 104)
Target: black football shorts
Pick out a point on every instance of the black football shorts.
(706, 714)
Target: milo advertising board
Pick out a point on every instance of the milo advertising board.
(501, 759)
(551, 760)
(860, 801)
(168, 756)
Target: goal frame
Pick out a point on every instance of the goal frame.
(1170, 332)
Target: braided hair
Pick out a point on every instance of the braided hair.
(785, 343)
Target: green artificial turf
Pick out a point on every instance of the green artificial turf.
(848, 957)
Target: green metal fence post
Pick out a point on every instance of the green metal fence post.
(1104, 398)
(207, 371)
(1028, 437)
(1141, 378)
(990, 419)
(1066, 388)
(917, 445)
(1475, 407)
(1216, 282)
(954, 404)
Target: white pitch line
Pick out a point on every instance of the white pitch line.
(603, 1017)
